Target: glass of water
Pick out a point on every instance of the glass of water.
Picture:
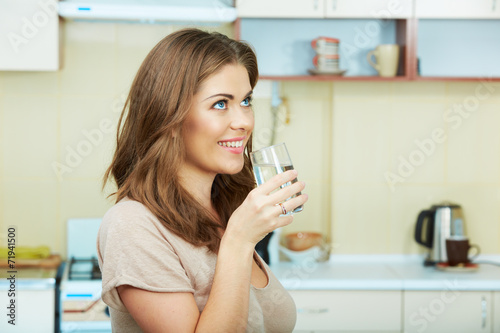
(270, 161)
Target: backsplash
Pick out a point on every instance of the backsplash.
(432, 140)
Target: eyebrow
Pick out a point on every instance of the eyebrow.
(229, 96)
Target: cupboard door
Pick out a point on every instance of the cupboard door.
(280, 8)
(341, 311)
(447, 311)
(456, 9)
(30, 35)
(368, 8)
(496, 313)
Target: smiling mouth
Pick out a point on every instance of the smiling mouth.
(231, 144)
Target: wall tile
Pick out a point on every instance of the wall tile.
(361, 141)
(360, 219)
(32, 206)
(473, 147)
(419, 91)
(88, 134)
(29, 83)
(481, 91)
(359, 90)
(29, 136)
(89, 59)
(418, 156)
(2, 139)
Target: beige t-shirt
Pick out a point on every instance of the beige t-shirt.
(134, 248)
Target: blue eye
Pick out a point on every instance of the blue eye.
(220, 105)
(247, 101)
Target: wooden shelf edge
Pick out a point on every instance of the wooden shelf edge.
(331, 78)
(373, 78)
(457, 79)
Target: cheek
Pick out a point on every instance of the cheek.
(251, 123)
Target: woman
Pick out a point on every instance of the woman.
(177, 250)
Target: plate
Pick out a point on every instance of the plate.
(318, 72)
(469, 267)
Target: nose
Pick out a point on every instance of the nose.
(242, 119)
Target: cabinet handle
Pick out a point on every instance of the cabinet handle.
(493, 5)
(484, 312)
(312, 310)
(315, 4)
(334, 5)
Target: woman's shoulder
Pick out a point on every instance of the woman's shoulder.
(128, 211)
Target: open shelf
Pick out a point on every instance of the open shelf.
(445, 50)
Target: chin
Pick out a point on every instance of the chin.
(233, 169)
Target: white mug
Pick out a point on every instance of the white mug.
(386, 57)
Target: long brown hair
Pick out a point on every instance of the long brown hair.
(149, 147)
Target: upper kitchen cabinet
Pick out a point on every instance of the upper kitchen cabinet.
(30, 31)
(280, 8)
(325, 8)
(457, 9)
(456, 39)
(380, 9)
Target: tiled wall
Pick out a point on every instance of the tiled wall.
(448, 134)
(343, 138)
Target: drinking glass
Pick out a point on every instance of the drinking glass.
(270, 161)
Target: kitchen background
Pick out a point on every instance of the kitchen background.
(345, 138)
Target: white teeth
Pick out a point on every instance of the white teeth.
(231, 144)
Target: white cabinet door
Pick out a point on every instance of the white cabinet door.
(496, 313)
(447, 311)
(30, 35)
(456, 9)
(34, 311)
(368, 8)
(280, 8)
(342, 311)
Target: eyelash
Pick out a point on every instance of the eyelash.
(225, 101)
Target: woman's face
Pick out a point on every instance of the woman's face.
(219, 123)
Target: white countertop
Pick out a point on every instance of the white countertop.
(384, 272)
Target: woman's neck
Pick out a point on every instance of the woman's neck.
(199, 186)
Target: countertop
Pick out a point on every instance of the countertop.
(385, 272)
(29, 278)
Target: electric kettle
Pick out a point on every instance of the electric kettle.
(435, 225)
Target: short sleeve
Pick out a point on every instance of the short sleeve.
(134, 249)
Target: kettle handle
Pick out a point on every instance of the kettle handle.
(430, 228)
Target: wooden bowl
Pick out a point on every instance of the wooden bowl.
(303, 240)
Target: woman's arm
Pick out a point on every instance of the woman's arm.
(227, 307)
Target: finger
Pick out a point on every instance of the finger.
(278, 180)
(284, 221)
(293, 203)
(286, 192)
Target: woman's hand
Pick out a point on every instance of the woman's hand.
(260, 213)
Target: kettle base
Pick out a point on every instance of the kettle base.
(429, 262)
